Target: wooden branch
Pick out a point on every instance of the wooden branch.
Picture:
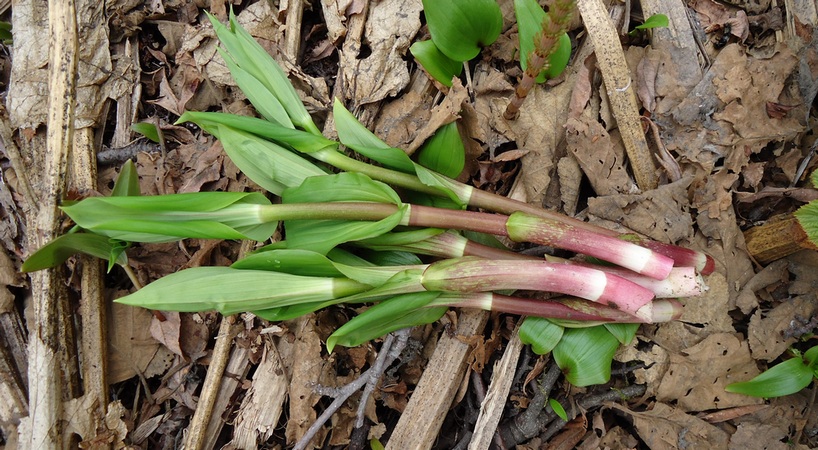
(46, 396)
(420, 422)
(620, 89)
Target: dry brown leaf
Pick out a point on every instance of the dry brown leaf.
(766, 333)
(667, 428)
(131, 349)
(601, 157)
(390, 28)
(446, 112)
(763, 435)
(697, 376)
(662, 214)
(654, 357)
(167, 331)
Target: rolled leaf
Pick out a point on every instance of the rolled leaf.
(162, 218)
(444, 152)
(230, 290)
(399, 312)
(127, 183)
(268, 164)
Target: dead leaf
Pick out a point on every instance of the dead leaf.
(167, 331)
(667, 428)
(601, 157)
(696, 377)
(766, 333)
(307, 369)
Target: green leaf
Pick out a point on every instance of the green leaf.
(444, 152)
(782, 379)
(400, 312)
(287, 260)
(530, 16)
(301, 141)
(459, 193)
(814, 179)
(435, 63)
(460, 28)
(60, 249)
(807, 216)
(269, 165)
(230, 290)
(585, 355)
(252, 58)
(392, 258)
(127, 183)
(265, 102)
(162, 218)
(623, 332)
(541, 334)
(354, 135)
(341, 187)
(811, 357)
(146, 129)
(322, 235)
(558, 409)
(654, 21)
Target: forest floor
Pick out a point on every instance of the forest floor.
(726, 100)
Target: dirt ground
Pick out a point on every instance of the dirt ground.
(723, 98)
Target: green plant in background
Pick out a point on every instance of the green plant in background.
(350, 238)
(807, 215)
(782, 379)
(459, 29)
(654, 21)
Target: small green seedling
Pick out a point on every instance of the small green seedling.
(558, 409)
(147, 129)
(807, 215)
(654, 21)
(782, 379)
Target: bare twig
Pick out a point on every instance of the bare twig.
(392, 347)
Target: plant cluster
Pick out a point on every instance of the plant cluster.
(351, 238)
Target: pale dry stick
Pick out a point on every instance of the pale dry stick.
(420, 422)
(491, 410)
(392, 347)
(620, 88)
(16, 159)
(45, 377)
(546, 43)
(210, 388)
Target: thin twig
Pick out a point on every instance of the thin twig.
(392, 347)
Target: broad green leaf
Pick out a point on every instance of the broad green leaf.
(585, 355)
(293, 261)
(460, 28)
(162, 218)
(269, 165)
(623, 332)
(127, 183)
(541, 334)
(399, 312)
(299, 140)
(230, 290)
(530, 17)
(354, 135)
(435, 63)
(782, 379)
(341, 187)
(147, 129)
(60, 249)
(322, 235)
(558, 409)
(392, 258)
(444, 152)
